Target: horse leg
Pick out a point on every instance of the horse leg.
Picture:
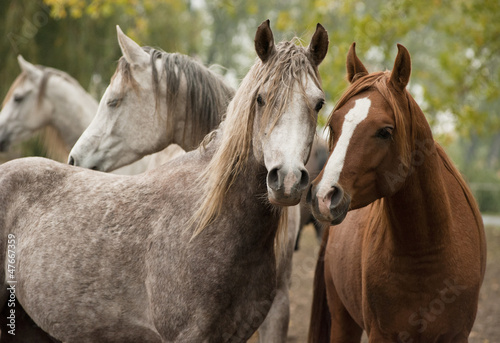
(275, 326)
(343, 329)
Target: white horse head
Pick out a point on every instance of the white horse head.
(44, 97)
(154, 99)
(271, 120)
(285, 120)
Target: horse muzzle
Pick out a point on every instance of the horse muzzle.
(285, 185)
(332, 207)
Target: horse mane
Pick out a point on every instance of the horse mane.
(287, 66)
(207, 93)
(54, 145)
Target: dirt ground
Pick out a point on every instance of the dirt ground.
(487, 325)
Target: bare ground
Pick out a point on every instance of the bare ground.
(487, 325)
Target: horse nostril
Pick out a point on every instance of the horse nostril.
(304, 179)
(71, 161)
(335, 194)
(273, 178)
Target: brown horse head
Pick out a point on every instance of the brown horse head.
(368, 140)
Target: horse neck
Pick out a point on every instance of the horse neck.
(419, 214)
(73, 110)
(258, 223)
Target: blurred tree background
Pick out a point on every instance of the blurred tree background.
(455, 48)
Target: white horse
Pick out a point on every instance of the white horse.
(111, 258)
(49, 100)
(155, 99)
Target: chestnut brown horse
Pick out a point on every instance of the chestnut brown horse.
(407, 263)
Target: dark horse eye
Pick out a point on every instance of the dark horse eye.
(260, 101)
(18, 98)
(114, 102)
(385, 133)
(319, 105)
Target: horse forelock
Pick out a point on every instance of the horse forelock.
(288, 66)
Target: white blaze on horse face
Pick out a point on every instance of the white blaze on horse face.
(287, 146)
(336, 161)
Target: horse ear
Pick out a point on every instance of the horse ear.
(355, 67)
(264, 41)
(132, 52)
(31, 70)
(401, 72)
(319, 45)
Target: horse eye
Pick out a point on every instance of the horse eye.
(18, 98)
(114, 102)
(319, 105)
(260, 101)
(385, 133)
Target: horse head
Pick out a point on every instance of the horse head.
(369, 132)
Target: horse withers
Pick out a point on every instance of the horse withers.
(406, 257)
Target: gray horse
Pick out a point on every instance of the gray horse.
(182, 253)
(157, 98)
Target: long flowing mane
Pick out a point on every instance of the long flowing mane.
(289, 65)
(207, 94)
(409, 116)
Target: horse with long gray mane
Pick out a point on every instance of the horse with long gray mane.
(50, 101)
(407, 261)
(115, 258)
(173, 99)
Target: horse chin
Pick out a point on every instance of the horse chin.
(339, 219)
(283, 200)
(335, 215)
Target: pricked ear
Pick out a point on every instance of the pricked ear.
(319, 45)
(401, 72)
(355, 67)
(264, 41)
(31, 70)
(132, 52)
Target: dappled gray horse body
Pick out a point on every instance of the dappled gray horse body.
(115, 275)
(113, 258)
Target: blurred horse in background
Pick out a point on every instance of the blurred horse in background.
(47, 99)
